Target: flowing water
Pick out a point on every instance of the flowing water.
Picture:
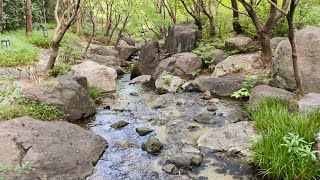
(171, 116)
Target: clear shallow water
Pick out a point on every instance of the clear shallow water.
(170, 116)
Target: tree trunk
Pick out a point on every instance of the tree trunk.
(291, 36)
(28, 17)
(212, 27)
(53, 55)
(198, 23)
(79, 25)
(266, 54)
(236, 24)
(92, 34)
(1, 11)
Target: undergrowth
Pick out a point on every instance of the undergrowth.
(283, 147)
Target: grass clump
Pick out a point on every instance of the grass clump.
(23, 107)
(95, 92)
(59, 69)
(283, 148)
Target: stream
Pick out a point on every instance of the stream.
(178, 120)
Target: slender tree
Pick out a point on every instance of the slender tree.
(236, 24)
(28, 17)
(264, 30)
(194, 11)
(63, 24)
(1, 12)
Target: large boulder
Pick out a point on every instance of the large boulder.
(68, 93)
(183, 65)
(276, 41)
(222, 86)
(310, 102)
(234, 139)
(105, 50)
(126, 51)
(261, 92)
(148, 60)
(182, 38)
(242, 63)
(308, 51)
(53, 150)
(99, 75)
(110, 61)
(128, 40)
(238, 43)
(218, 55)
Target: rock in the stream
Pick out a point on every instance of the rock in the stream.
(308, 41)
(143, 131)
(238, 64)
(222, 86)
(101, 76)
(152, 145)
(310, 102)
(169, 168)
(238, 43)
(110, 61)
(186, 158)
(261, 92)
(183, 65)
(119, 124)
(206, 95)
(128, 40)
(169, 84)
(182, 38)
(234, 138)
(141, 79)
(126, 51)
(68, 93)
(56, 150)
(178, 177)
(148, 60)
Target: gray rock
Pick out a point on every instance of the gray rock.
(111, 61)
(126, 51)
(183, 65)
(189, 87)
(235, 135)
(238, 64)
(119, 124)
(56, 150)
(187, 157)
(222, 86)
(141, 79)
(128, 40)
(148, 60)
(152, 145)
(182, 38)
(219, 56)
(105, 51)
(258, 93)
(68, 93)
(310, 102)
(206, 95)
(169, 168)
(308, 51)
(276, 41)
(178, 177)
(169, 84)
(143, 131)
(238, 43)
(74, 43)
(99, 75)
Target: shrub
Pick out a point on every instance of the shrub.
(282, 150)
(95, 92)
(37, 38)
(59, 69)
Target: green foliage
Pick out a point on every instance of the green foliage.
(205, 52)
(282, 150)
(248, 84)
(37, 38)
(59, 69)
(21, 51)
(23, 107)
(95, 92)
(69, 54)
(166, 76)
